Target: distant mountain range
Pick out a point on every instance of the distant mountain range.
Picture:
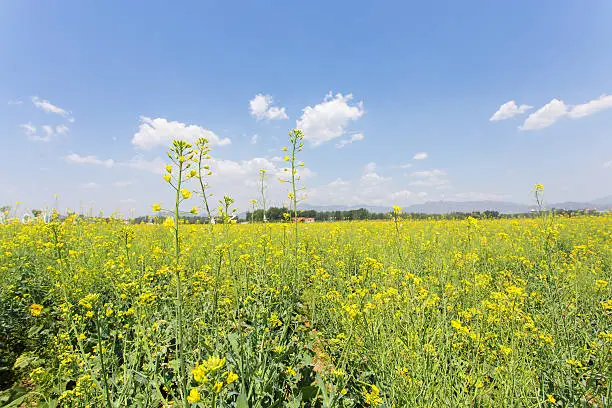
(442, 207)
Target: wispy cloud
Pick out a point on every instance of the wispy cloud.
(47, 132)
(78, 159)
(420, 156)
(48, 107)
(433, 177)
(355, 137)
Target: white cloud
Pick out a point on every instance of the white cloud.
(254, 139)
(608, 164)
(369, 167)
(422, 194)
(28, 128)
(373, 178)
(48, 131)
(591, 107)
(420, 156)
(329, 119)
(401, 195)
(428, 178)
(370, 176)
(160, 132)
(90, 185)
(405, 166)
(77, 159)
(508, 110)
(355, 137)
(122, 183)
(61, 129)
(15, 102)
(556, 109)
(338, 183)
(546, 115)
(50, 108)
(428, 173)
(261, 108)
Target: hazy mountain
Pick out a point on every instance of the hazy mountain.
(441, 207)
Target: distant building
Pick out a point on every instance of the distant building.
(307, 220)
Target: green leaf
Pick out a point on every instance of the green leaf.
(242, 402)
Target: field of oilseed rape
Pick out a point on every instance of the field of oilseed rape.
(397, 313)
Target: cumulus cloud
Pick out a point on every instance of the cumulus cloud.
(355, 137)
(160, 132)
(78, 159)
(261, 108)
(546, 115)
(557, 109)
(48, 107)
(254, 139)
(329, 119)
(509, 110)
(420, 156)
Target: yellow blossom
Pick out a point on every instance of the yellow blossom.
(36, 309)
(194, 396)
(231, 377)
(185, 193)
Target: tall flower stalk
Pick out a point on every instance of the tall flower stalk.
(181, 154)
(262, 189)
(201, 154)
(295, 141)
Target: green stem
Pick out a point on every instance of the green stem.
(102, 366)
(179, 288)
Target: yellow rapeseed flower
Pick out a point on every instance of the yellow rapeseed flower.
(185, 193)
(156, 207)
(217, 387)
(36, 309)
(373, 396)
(194, 396)
(231, 377)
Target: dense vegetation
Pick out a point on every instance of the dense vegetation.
(431, 313)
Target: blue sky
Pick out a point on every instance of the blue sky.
(396, 100)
